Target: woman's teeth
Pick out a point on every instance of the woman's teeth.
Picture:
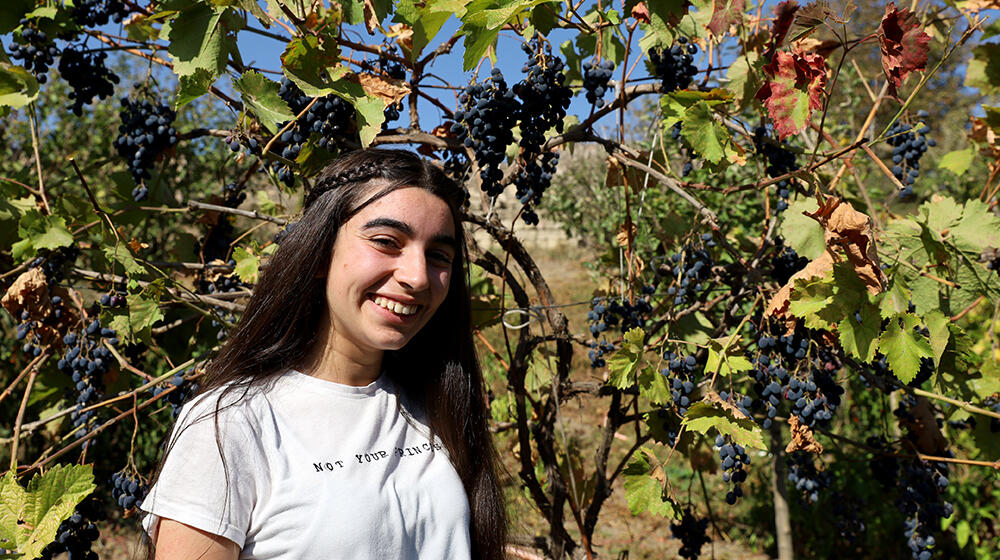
(395, 306)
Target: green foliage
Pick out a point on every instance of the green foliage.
(29, 517)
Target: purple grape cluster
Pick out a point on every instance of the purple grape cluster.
(734, 460)
(908, 146)
(780, 161)
(806, 478)
(674, 67)
(689, 270)
(89, 13)
(784, 370)
(691, 532)
(485, 122)
(185, 389)
(682, 373)
(76, 535)
(127, 490)
(145, 132)
(34, 49)
(596, 75)
(86, 361)
(87, 75)
(785, 263)
(331, 118)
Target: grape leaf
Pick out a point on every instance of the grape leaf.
(312, 64)
(958, 161)
(18, 87)
(978, 228)
(482, 22)
(983, 71)
(30, 517)
(742, 78)
(801, 232)
(809, 297)
(625, 361)
(654, 386)
(937, 325)
(895, 300)
(725, 357)
(702, 417)
(192, 86)
(122, 256)
(664, 16)
(903, 44)
(260, 95)
(426, 19)
(784, 15)
(643, 481)
(202, 36)
(793, 89)
(903, 347)
(247, 265)
(39, 231)
(707, 136)
(724, 14)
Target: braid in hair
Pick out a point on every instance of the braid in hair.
(364, 172)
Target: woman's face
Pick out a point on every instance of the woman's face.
(390, 271)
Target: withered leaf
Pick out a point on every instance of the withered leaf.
(903, 44)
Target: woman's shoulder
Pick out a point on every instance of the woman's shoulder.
(235, 402)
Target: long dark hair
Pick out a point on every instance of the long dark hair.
(438, 369)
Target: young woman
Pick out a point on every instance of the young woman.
(344, 417)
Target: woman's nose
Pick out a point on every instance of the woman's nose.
(411, 271)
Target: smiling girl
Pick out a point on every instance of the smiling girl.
(344, 416)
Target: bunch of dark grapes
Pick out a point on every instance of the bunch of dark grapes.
(36, 330)
(624, 314)
(691, 532)
(909, 145)
(922, 485)
(145, 133)
(85, 361)
(690, 270)
(222, 284)
(184, 390)
(784, 370)
(331, 118)
(674, 67)
(682, 373)
(55, 262)
(127, 490)
(87, 75)
(458, 168)
(76, 535)
(734, 460)
(35, 49)
(785, 263)
(993, 403)
(596, 75)
(243, 143)
(485, 122)
(89, 13)
(685, 151)
(846, 511)
(395, 70)
(806, 478)
(544, 100)
(884, 466)
(780, 161)
(597, 352)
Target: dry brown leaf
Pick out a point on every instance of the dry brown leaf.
(626, 234)
(976, 6)
(802, 438)
(137, 246)
(817, 46)
(713, 397)
(443, 130)
(849, 235)
(371, 20)
(31, 292)
(641, 13)
(403, 34)
(386, 89)
(981, 133)
(923, 430)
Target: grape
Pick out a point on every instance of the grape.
(87, 74)
(909, 145)
(674, 67)
(596, 75)
(145, 133)
(690, 270)
(330, 117)
(785, 263)
(89, 13)
(779, 162)
(35, 49)
(76, 535)
(86, 360)
(806, 478)
(682, 373)
(485, 121)
(691, 532)
(395, 70)
(733, 458)
(127, 490)
(185, 389)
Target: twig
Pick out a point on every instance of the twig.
(968, 407)
(968, 308)
(288, 125)
(195, 205)
(38, 158)
(10, 388)
(20, 416)
(183, 296)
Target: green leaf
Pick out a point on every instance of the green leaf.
(726, 357)
(706, 135)
(958, 161)
(18, 87)
(122, 256)
(643, 481)
(260, 95)
(895, 300)
(938, 327)
(664, 16)
(29, 518)
(703, 417)
(200, 37)
(625, 361)
(144, 309)
(40, 232)
(983, 71)
(654, 386)
(494, 14)
(940, 214)
(962, 532)
(977, 229)
(313, 65)
(903, 347)
(743, 78)
(370, 116)
(859, 339)
(801, 232)
(193, 86)
(139, 28)
(426, 19)
(809, 297)
(247, 265)
(477, 41)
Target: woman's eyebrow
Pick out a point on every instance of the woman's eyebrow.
(405, 229)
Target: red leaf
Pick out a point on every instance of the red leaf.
(903, 44)
(641, 13)
(784, 14)
(724, 14)
(793, 90)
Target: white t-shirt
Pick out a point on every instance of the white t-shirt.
(316, 470)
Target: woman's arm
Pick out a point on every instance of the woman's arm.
(177, 541)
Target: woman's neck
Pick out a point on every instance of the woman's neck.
(336, 359)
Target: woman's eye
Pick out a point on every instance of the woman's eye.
(441, 257)
(384, 242)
